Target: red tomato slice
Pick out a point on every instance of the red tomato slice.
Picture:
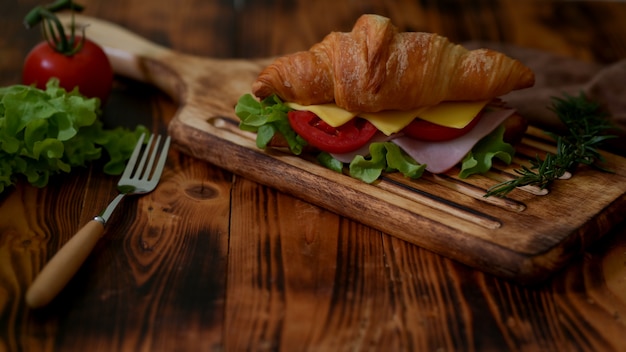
(428, 131)
(345, 138)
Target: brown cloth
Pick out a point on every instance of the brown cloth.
(556, 75)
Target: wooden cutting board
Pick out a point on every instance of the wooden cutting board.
(524, 237)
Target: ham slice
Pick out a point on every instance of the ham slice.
(441, 156)
(438, 156)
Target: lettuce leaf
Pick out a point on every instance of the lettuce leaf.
(384, 156)
(267, 117)
(480, 159)
(327, 160)
(46, 132)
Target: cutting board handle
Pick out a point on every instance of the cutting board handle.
(201, 85)
(126, 50)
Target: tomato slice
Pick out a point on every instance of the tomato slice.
(428, 131)
(345, 138)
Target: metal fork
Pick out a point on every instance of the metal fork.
(137, 179)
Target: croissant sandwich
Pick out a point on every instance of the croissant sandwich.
(381, 99)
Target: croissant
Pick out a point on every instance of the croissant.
(374, 67)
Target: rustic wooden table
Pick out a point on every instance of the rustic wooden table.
(213, 261)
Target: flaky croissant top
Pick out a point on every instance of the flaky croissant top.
(374, 67)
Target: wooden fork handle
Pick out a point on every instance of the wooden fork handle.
(63, 265)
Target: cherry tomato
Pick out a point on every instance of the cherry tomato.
(343, 139)
(89, 69)
(428, 131)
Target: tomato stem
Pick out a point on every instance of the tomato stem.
(52, 28)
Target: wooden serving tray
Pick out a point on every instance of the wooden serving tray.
(524, 237)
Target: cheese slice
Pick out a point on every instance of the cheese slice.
(448, 114)
(329, 113)
(456, 114)
(391, 121)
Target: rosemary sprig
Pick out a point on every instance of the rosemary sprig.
(587, 127)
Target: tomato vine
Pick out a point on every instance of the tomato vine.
(66, 54)
(52, 29)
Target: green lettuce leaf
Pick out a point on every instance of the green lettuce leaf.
(384, 156)
(327, 160)
(480, 159)
(46, 132)
(267, 117)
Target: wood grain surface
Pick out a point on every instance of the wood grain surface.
(215, 261)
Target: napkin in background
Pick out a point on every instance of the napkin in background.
(556, 75)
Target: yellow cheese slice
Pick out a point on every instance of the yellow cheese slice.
(453, 114)
(448, 114)
(386, 121)
(330, 113)
(391, 121)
